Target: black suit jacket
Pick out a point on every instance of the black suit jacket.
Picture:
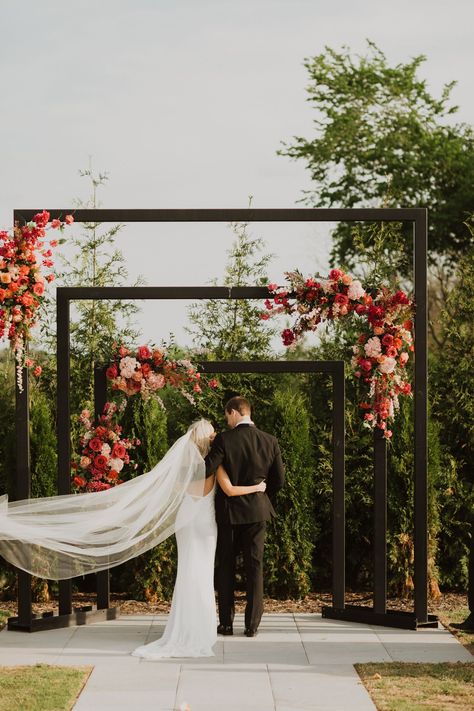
(249, 456)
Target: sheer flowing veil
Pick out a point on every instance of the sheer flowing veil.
(63, 536)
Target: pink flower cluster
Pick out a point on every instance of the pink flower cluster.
(147, 370)
(22, 283)
(382, 350)
(105, 459)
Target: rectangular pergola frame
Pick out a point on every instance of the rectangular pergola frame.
(378, 614)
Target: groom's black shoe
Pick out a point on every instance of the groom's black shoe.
(225, 629)
(249, 632)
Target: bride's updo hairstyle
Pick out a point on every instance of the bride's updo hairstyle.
(200, 432)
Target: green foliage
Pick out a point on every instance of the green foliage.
(289, 548)
(381, 139)
(232, 329)
(146, 420)
(7, 423)
(453, 408)
(43, 445)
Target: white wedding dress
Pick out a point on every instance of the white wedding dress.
(191, 629)
(61, 537)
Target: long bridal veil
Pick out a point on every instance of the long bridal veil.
(60, 537)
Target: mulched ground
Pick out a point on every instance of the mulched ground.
(311, 603)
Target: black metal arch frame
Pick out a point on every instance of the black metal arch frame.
(378, 614)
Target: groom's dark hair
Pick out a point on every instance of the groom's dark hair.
(241, 404)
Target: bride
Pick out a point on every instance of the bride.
(61, 537)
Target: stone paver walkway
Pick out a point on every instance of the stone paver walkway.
(296, 663)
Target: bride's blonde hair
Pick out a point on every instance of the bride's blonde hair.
(200, 431)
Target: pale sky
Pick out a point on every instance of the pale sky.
(184, 103)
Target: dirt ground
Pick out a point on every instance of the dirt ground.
(311, 603)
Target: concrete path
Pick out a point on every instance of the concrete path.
(296, 663)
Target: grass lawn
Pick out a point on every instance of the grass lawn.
(397, 686)
(41, 687)
(456, 616)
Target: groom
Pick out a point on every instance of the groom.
(249, 456)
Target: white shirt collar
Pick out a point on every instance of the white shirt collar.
(245, 421)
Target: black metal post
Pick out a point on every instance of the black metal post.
(338, 505)
(22, 488)
(421, 417)
(380, 522)
(63, 426)
(100, 398)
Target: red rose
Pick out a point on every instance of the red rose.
(335, 274)
(26, 299)
(365, 364)
(408, 325)
(391, 352)
(118, 451)
(143, 353)
(146, 369)
(401, 298)
(111, 372)
(213, 383)
(342, 299)
(264, 316)
(288, 337)
(95, 444)
(387, 340)
(41, 218)
(100, 461)
(38, 288)
(123, 351)
(37, 371)
(360, 309)
(79, 481)
(55, 224)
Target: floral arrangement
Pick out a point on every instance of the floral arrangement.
(22, 283)
(383, 347)
(105, 460)
(147, 370)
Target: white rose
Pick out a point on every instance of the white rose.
(388, 365)
(373, 347)
(116, 464)
(356, 290)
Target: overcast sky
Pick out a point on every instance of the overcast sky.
(185, 104)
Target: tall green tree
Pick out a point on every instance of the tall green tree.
(290, 545)
(232, 329)
(95, 325)
(382, 139)
(452, 391)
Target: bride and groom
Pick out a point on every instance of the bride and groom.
(212, 491)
